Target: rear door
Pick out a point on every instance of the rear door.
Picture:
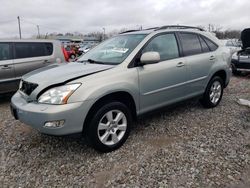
(200, 59)
(30, 56)
(8, 81)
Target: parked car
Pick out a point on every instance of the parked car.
(232, 45)
(102, 93)
(85, 48)
(71, 52)
(18, 57)
(241, 59)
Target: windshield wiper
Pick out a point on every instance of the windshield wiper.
(95, 62)
(91, 61)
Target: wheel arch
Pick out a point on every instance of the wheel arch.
(120, 96)
(222, 74)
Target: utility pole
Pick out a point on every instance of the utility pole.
(38, 31)
(19, 26)
(103, 33)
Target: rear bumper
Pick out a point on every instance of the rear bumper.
(36, 115)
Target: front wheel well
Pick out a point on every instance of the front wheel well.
(121, 96)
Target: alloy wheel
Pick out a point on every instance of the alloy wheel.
(112, 127)
(215, 92)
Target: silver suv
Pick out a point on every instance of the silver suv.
(124, 77)
(18, 57)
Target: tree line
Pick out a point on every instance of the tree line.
(219, 32)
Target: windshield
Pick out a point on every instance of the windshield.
(113, 51)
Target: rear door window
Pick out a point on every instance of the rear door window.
(32, 49)
(37, 49)
(5, 51)
(190, 44)
(22, 50)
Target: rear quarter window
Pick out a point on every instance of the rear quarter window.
(49, 48)
(204, 45)
(212, 46)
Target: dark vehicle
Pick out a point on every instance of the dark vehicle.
(241, 59)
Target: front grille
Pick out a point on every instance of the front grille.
(27, 87)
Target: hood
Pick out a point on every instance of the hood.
(60, 73)
(245, 38)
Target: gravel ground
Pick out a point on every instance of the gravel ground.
(184, 146)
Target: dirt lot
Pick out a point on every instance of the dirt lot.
(185, 146)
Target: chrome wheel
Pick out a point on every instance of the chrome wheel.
(112, 127)
(215, 92)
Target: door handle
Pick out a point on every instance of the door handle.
(212, 58)
(45, 61)
(6, 67)
(180, 64)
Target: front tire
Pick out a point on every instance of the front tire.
(214, 92)
(109, 127)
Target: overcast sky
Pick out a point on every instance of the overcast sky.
(85, 16)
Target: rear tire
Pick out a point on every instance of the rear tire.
(214, 92)
(109, 127)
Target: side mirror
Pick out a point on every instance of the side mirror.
(150, 58)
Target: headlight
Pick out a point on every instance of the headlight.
(58, 95)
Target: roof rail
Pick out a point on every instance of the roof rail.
(178, 27)
(128, 31)
(151, 28)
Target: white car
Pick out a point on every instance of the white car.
(84, 49)
(232, 45)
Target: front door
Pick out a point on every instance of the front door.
(162, 83)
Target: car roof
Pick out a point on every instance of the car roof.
(162, 28)
(156, 31)
(174, 28)
(27, 40)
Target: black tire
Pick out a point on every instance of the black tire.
(92, 134)
(205, 100)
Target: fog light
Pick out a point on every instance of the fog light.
(54, 124)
